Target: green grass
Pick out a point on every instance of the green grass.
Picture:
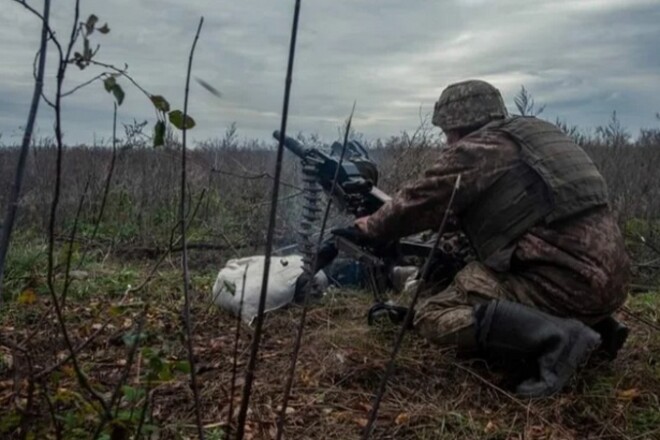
(339, 368)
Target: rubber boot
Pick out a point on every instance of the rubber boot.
(558, 345)
(614, 335)
(394, 313)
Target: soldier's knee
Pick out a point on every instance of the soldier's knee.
(446, 326)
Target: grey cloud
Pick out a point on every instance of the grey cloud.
(583, 58)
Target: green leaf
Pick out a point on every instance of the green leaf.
(132, 394)
(160, 103)
(90, 23)
(159, 134)
(147, 428)
(182, 366)
(109, 83)
(104, 29)
(132, 338)
(176, 118)
(148, 353)
(156, 364)
(166, 373)
(124, 416)
(119, 93)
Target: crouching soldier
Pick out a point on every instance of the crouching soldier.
(551, 266)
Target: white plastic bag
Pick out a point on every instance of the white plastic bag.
(284, 271)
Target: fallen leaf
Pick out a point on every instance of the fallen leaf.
(365, 406)
(629, 394)
(402, 419)
(362, 422)
(490, 427)
(26, 297)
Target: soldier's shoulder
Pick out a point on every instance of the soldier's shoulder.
(486, 138)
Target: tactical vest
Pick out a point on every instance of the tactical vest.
(555, 179)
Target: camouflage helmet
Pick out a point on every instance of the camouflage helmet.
(468, 104)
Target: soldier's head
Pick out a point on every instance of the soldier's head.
(467, 106)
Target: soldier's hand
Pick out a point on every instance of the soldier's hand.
(362, 224)
(354, 234)
(357, 236)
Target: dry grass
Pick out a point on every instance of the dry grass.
(432, 394)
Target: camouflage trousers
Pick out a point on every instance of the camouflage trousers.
(446, 318)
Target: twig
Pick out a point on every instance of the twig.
(143, 412)
(12, 205)
(80, 346)
(52, 412)
(249, 373)
(44, 19)
(82, 380)
(642, 319)
(234, 367)
(649, 244)
(253, 177)
(515, 400)
(407, 322)
(106, 188)
(301, 324)
(184, 259)
(35, 68)
(131, 357)
(72, 237)
(114, 399)
(84, 84)
(24, 424)
(122, 72)
(289, 197)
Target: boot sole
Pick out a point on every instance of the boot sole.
(578, 355)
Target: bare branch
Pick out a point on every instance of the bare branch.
(184, 259)
(407, 322)
(234, 368)
(82, 379)
(44, 19)
(84, 84)
(253, 177)
(71, 240)
(12, 205)
(249, 373)
(108, 179)
(301, 324)
(123, 72)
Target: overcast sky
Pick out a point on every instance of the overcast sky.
(582, 58)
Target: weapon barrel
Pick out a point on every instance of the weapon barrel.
(292, 145)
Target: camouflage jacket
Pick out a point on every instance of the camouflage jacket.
(579, 263)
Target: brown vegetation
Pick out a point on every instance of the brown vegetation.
(432, 394)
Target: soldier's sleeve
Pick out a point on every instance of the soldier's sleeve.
(420, 205)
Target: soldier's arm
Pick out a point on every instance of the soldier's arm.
(421, 204)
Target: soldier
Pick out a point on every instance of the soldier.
(551, 266)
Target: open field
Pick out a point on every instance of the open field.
(432, 395)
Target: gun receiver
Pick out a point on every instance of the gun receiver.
(354, 192)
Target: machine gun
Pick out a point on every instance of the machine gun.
(356, 192)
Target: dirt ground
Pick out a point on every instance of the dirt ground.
(432, 394)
